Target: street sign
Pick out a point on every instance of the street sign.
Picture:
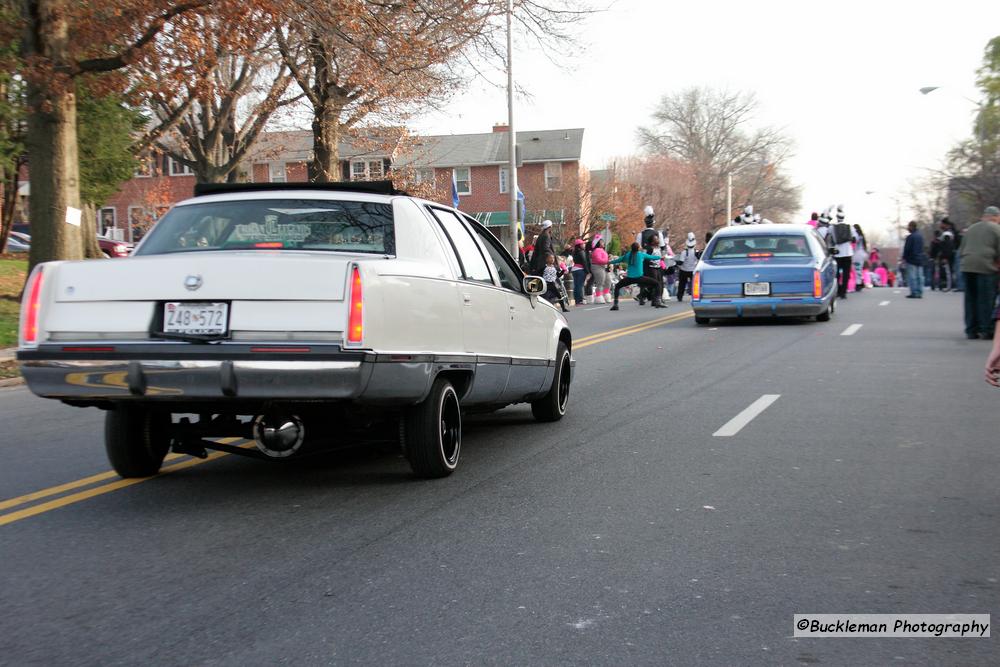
(608, 217)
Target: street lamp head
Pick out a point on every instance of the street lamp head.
(928, 89)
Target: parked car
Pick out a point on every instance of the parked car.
(765, 271)
(18, 242)
(284, 313)
(110, 247)
(113, 248)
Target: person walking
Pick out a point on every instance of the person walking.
(980, 257)
(599, 270)
(838, 236)
(914, 259)
(580, 271)
(859, 258)
(634, 260)
(686, 263)
(934, 254)
(946, 257)
(651, 240)
(543, 248)
(993, 360)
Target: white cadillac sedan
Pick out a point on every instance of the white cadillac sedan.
(292, 314)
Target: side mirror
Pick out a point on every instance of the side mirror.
(533, 285)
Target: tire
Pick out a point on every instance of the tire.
(824, 316)
(432, 432)
(552, 406)
(701, 320)
(136, 440)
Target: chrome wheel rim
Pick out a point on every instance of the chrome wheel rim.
(563, 387)
(450, 428)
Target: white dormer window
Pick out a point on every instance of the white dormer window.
(366, 170)
(276, 172)
(463, 180)
(553, 175)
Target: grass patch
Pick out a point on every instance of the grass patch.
(12, 275)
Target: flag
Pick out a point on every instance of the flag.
(521, 209)
(454, 191)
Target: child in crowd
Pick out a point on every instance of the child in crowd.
(551, 275)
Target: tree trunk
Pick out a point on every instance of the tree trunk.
(9, 203)
(326, 139)
(88, 230)
(51, 139)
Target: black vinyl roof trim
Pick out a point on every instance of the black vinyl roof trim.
(368, 187)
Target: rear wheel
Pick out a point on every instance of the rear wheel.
(552, 406)
(825, 316)
(432, 432)
(136, 440)
(701, 320)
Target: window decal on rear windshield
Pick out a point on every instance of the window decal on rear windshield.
(274, 224)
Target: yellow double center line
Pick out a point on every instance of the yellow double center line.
(87, 493)
(605, 336)
(73, 498)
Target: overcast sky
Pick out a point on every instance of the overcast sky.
(841, 78)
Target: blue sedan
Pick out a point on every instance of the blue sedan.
(765, 271)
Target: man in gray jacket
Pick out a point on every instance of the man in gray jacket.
(980, 253)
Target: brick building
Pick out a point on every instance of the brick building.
(550, 175)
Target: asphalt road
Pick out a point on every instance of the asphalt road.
(627, 533)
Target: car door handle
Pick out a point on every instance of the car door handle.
(467, 299)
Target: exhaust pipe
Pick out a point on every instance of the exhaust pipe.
(278, 436)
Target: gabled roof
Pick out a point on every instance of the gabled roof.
(297, 146)
(461, 150)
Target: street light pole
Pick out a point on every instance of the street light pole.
(729, 198)
(511, 140)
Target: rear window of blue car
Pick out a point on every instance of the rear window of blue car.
(754, 246)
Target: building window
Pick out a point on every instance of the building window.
(144, 169)
(180, 169)
(424, 175)
(553, 175)
(366, 170)
(276, 172)
(138, 222)
(504, 174)
(463, 180)
(109, 220)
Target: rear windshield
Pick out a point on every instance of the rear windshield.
(274, 224)
(759, 246)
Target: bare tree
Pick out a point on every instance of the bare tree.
(382, 60)
(710, 131)
(210, 121)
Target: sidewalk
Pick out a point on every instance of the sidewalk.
(7, 354)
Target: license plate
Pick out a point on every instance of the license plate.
(195, 318)
(756, 289)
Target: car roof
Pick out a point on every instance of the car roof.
(760, 230)
(290, 193)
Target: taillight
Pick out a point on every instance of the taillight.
(30, 306)
(696, 286)
(355, 321)
(817, 285)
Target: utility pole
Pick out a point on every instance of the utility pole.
(729, 198)
(511, 140)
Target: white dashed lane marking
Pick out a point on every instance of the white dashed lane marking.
(884, 303)
(851, 330)
(736, 424)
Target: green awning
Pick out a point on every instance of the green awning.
(493, 218)
(502, 218)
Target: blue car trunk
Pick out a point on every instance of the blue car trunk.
(787, 275)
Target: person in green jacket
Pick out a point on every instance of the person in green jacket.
(634, 260)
